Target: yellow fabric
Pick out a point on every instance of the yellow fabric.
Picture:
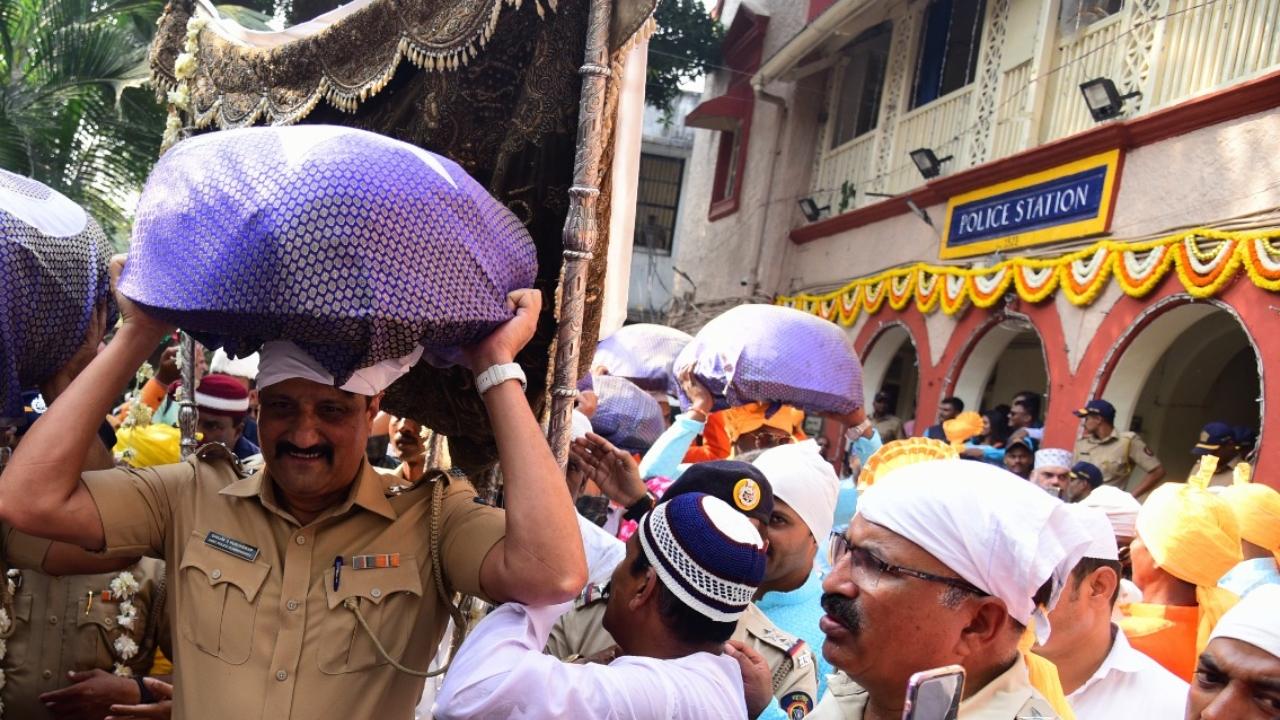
(160, 664)
(1193, 535)
(1043, 675)
(962, 427)
(149, 445)
(741, 420)
(1257, 510)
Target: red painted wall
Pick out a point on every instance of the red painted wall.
(1069, 390)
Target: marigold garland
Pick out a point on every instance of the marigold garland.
(1206, 261)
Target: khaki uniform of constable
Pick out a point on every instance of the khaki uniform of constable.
(1008, 697)
(265, 624)
(1116, 456)
(581, 633)
(61, 624)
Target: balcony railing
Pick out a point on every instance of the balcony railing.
(1088, 54)
(1208, 45)
(939, 126)
(850, 162)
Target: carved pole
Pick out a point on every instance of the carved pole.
(580, 228)
(187, 413)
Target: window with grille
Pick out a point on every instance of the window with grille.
(949, 45)
(657, 200)
(861, 83)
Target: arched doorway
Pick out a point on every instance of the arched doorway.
(893, 365)
(1006, 359)
(1191, 364)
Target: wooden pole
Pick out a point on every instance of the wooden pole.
(187, 413)
(581, 228)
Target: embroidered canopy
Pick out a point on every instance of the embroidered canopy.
(496, 86)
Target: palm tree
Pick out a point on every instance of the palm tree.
(74, 112)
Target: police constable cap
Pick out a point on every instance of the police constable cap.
(739, 484)
(1212, 437)
(1101, 408)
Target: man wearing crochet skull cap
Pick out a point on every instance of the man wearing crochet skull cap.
(689, 574)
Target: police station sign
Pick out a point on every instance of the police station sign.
(1066, 202)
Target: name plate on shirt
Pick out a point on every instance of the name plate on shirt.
(231, 546)
(1067, 202)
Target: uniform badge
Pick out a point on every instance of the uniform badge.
(796, 705)
(373, 562)
(746, 494)
(231, 546)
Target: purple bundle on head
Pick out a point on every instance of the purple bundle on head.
(768, 353)
(626, 416)
(643, 354)
(355, 246)
(53, 272)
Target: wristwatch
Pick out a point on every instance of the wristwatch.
(637, 509)
(861, 428)
(498, 374)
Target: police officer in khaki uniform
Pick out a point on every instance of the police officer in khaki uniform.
(110, 623)
(1217, 439)
(580, 634)
(305, 590)
(1115, 454)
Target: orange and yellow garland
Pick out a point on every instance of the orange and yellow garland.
(1204, 260)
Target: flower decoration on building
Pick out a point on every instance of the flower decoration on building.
(1206, 262)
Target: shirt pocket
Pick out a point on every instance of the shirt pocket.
(389, 600)
(220, 592)
(96, 631)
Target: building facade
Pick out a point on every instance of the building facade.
(664, 154)
(1100, 216)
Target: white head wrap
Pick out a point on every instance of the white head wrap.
(1053, 457)
(40, 206)
(581, 425)
(1102, 540)
(1254, 620)
(991, 527)
(245, 367)
(1120, 507)
(283, 360)
(801, 478)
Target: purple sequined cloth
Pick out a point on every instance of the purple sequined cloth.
(49, 284)
(626, 416)
(643, 354)
(767, 353)
(355, 246)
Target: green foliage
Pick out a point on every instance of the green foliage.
(74, 112)
(685, 45)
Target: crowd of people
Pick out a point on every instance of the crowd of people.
(693, 560)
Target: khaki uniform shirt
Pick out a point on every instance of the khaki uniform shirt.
(60, 624)
(264, 627)
(1116, 456)
(1008, 697)
(580, 632)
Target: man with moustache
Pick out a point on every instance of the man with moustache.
(305, 590)
(946, 562)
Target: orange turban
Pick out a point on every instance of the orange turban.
(739, 421)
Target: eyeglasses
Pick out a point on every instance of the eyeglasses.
(866, 563)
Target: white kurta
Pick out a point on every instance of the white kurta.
(1132, 686)
(501, 672)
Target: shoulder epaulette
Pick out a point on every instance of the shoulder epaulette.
(591, 594)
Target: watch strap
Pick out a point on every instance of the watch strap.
(498, 374)
(637, 509)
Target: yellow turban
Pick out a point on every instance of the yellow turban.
(901, 453)
(1193, 535)
(739, 421)
(1257, 510)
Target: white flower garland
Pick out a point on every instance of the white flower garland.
(184, 69)
(6, 623)
(124, 587)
